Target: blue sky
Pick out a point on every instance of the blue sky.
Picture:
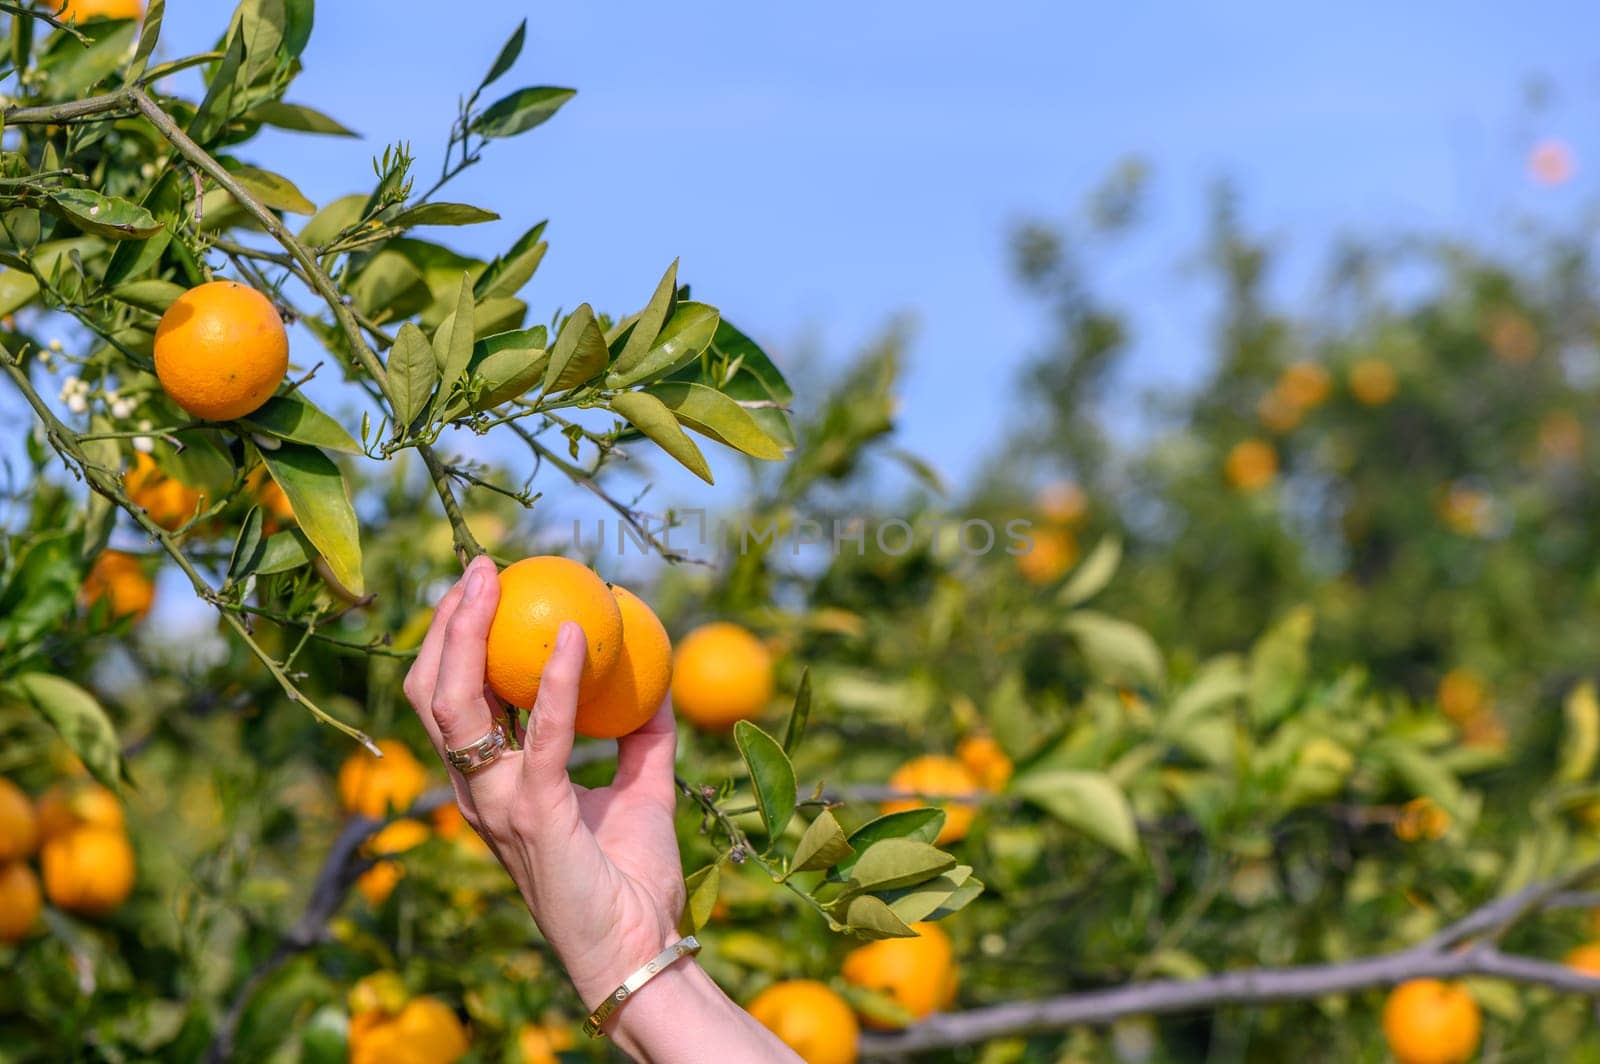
(822, 167)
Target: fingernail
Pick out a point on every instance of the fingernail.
(475, 581)
(565, 636)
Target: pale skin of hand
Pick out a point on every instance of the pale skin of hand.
(598, 868)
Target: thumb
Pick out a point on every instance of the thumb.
(550, 723)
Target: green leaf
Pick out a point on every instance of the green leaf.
(822, 846)
(959, 899)
(579, 354)
(107, 216)
(282, 551)
(713, 414)
(499, 315)
(1216, 683)
(507, 57)
(441, 214)
(920, 900)
(1093, 573)
(298, 18)
(273, 190)
(149, 33)
(452, 343)
(152, 294)
(1278, 664)
(507, 275)
(390, 286)
(1581, 737)
(871, 918)
(770, 774)
(78, 718)
(40, 593)
(1088, 801)
(700, 897)
(248, 547)
(922, 825)
(332, 220)
(507, 365)
(321, 500)
(799, 715)
(651, 417)
(413, 374)
(295, 418)
(17, 290)
(645, 326)
(893, 863)
(521, 111)
(1117, 652)
(74, 69)
(297, 118)
(1422, 773)
(684, 338)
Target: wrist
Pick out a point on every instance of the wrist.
(602, 968)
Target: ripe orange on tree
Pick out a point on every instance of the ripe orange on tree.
(1051, 555)
(120, 580)
(375, 787)
(1585, 958)
(1304, 385)
(539, 1043)
(1426, 1021)
(169, 501)
(1251, 465)
(919, 973)
(536, 596)
(83, 10)
(1373, 382)
(221, 350)
(638, 682)
(810, 1019)
(1462, 694)
(936, 775)
(88, 870)
(721, 674)
(451, 826)
(378, 882)
(19, 824)
(75, 804)
(422, 1031)
(19, 901)
(983, 758)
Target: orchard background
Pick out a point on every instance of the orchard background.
(1285, 695)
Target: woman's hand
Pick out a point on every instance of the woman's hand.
(598, 868)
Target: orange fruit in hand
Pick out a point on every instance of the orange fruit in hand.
(83, 10)
(88, 870)
(536, 596)
(721, 674)
(374, 786)
(120, 580)
(810, 1019)
(936, 775)
(983, 758)
(77, 804)
(1429, 1022)
(1052, 554)
(19, 824)
(638, 683)
(221, 350)
(919, 974)
(170, 502)
(19, 901)
(1251, 465)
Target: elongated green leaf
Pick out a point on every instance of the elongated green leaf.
(700, 897)
(770, 774)
(507, 365)
(1118, 652)
(506, 275)
(521, 111)
(413, 373)
(294, 417)
(283, 551)
(922, 825)
(959, 899)
(713, 414)
(298, 118)
(1088, 801)
(333, 219)
(645, 326)
(499, 315)
(1419, 770)
(1581, 736)
(149, 33)
(321, 500)
(273, 190)
(77, 717)
(1093, 573)
(684, 338)
(579, 354)
(247, 546)
(920, 900)
(442, 214)
(17, 290)
(871, 918)
(1278, 664)
(152, 294)
(106, 216)
(507, 57)
(452, 343)
(799, 715)
(822, 846)
(651, 417)
(893, 863)
(40, 593)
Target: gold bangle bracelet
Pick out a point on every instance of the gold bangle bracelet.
(684, 947)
